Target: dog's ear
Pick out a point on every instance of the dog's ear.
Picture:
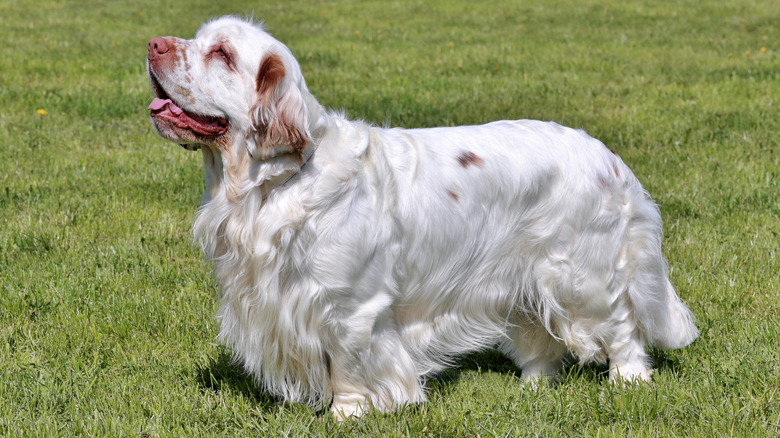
(279, 117)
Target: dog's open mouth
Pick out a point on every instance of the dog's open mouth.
(163, 108)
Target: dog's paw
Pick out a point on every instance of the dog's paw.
(347, 407)
(630, 373)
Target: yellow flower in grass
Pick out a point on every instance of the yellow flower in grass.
(763, 49)
(42, 112)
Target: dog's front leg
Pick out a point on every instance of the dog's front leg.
(349, 400)
(372, 370)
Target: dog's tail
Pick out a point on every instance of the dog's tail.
(664, 319)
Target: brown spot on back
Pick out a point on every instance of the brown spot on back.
(453, 195)
(468, 158)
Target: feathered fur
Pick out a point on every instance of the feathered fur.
(348, 278)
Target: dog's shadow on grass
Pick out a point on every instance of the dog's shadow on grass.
(493, 361)
(223, 374)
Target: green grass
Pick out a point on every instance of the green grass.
(107, 311)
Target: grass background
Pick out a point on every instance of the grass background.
(106, 308)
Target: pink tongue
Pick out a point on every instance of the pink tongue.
(158, 104)
(200, 125)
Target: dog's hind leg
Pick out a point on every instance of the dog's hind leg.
(648, 312)
(626, 348)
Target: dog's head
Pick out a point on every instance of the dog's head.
(231, 84)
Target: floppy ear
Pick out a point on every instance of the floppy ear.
(279, 118)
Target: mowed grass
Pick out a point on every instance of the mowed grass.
(107, 311)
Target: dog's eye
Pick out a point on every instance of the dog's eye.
(222, 53)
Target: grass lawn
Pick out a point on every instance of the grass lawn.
(107, 310)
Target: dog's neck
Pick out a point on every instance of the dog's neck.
(316, 128)
(282, 179)
(236, 173)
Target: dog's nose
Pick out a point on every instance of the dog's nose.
(157, 46)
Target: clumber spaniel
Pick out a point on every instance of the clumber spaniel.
(355, 260)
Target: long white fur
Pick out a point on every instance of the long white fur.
(393, 251)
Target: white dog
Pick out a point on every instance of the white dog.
(355, 260)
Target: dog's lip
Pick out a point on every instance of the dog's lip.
(165, 108)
